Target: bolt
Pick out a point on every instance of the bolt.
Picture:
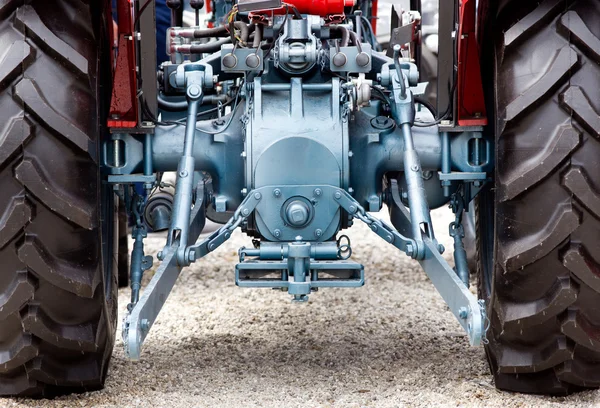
(427, 175)
(145, 324)
(245, 212)
(410, 250)
(244, 191)
(463, 312)
(183, 173)
(350, 190)
(362, 59)
(243, 154)
(277, 233)
(350, 154)
(257, 196)
(211, 247)
(318, 233)
(318, 192)
(373, 227)
(337, 195)
(352, 209)
(339, 59)
(194, 91)
(252, 61)
(414, 167)
(160, 255)
(390, 239)
(441, 248)
(229, 61)
(215, 79)
(277, 193)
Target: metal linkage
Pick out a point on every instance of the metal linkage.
(468, 310)
(217, 238)
(139, 261)
(143, 313)
(385, 231)
(403, 111)
(194, 77)
(457, 232)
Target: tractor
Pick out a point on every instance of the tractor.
(287, 119)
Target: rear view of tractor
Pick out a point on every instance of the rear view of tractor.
(285, 120)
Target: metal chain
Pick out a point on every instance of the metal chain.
(385, 231)
(217, 238)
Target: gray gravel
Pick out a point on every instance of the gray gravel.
(391, 343)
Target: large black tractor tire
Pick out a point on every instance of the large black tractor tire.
(58, 298)
(539, 228)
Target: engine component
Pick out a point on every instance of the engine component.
(296, 50)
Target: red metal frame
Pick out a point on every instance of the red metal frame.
(470, 100)
(374, 6)
(124, 110)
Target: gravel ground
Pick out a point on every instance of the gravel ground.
(392, 343)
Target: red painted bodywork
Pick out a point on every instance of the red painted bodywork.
(471, 103)
(321, 8)
(374, 6)
(123, 111)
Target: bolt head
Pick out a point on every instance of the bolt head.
(252, 61)
(350, 190)
(277, 192)
(277, 233)
(337, 195)
(463, 312)
(257, 196)
(245, 212)
(339, 59)
(318, 192)
(362, 59)
(441, 248)
(183, 173)
(410, 250)
(318, 233)
(414, 167)
(229, 61)
(144, 324)
(194, 91)
(352, 209)
(160, 255)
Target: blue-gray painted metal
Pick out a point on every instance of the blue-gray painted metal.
(294, 162)
(469, 312)
(144, 313)
(139, 262)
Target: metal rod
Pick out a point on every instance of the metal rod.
(148, 165)
(446, 162)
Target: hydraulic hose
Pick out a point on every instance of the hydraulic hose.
(258, 31)
(343, 33)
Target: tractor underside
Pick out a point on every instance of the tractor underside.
(292, 127)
